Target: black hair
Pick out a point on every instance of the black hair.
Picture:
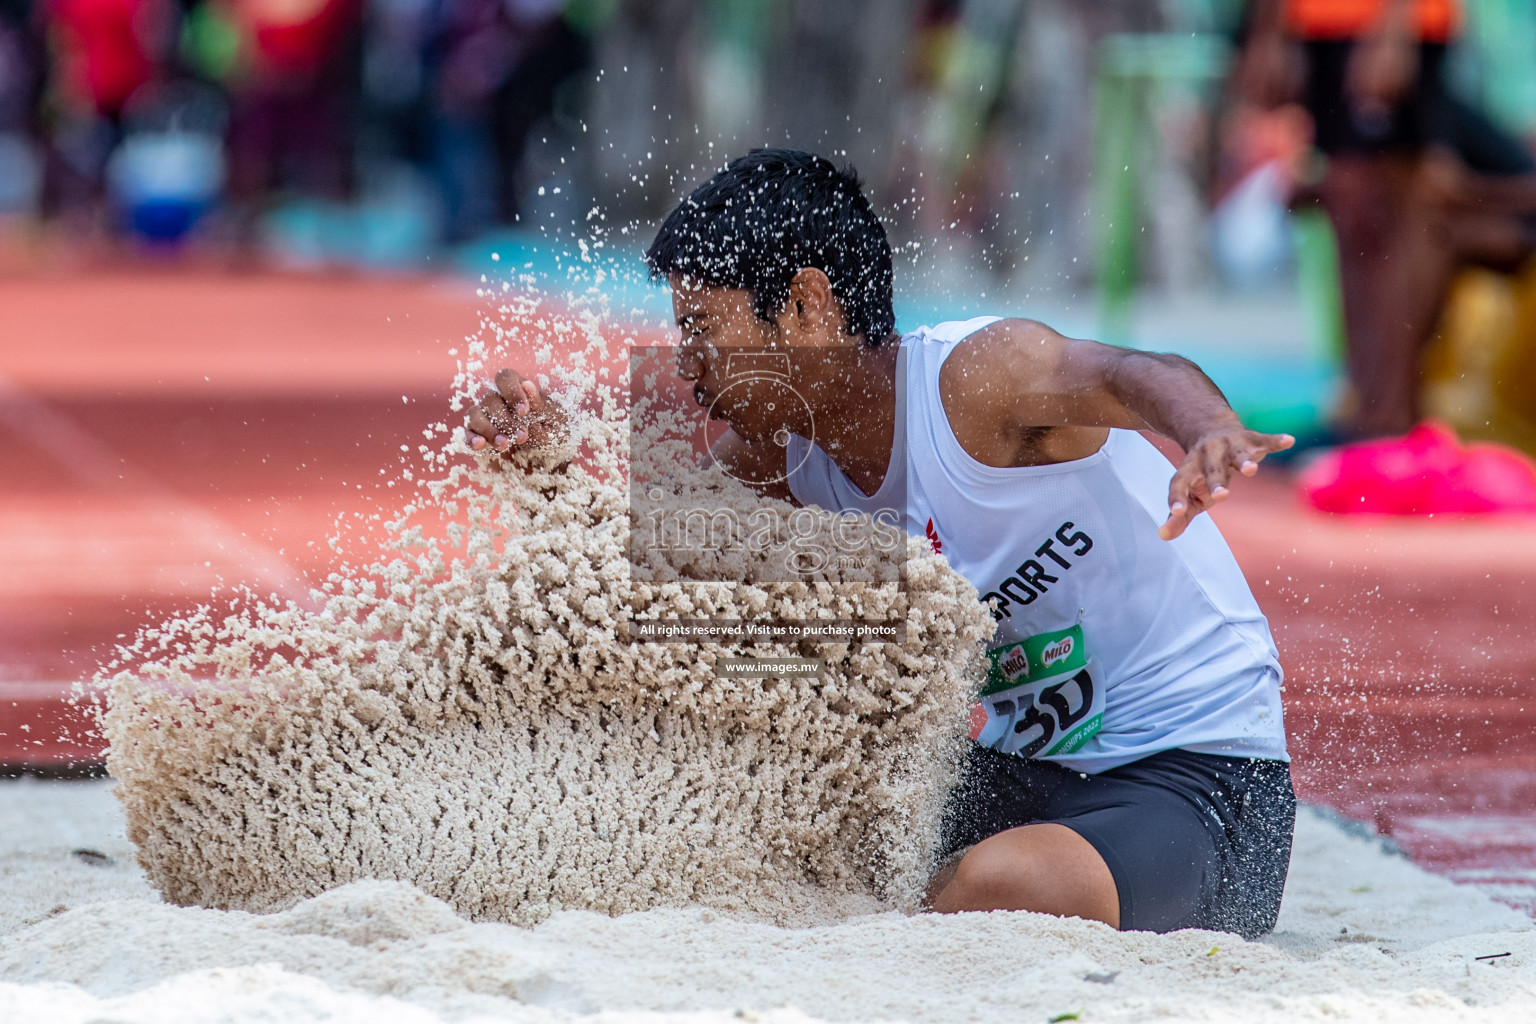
(769, 214)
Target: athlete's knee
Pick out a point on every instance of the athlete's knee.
(1035, 871)
(998, 874)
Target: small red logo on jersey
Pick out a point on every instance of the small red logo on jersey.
(978, 721)
(933, 538)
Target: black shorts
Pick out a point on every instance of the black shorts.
(1428, 114)
(1192, 840)
(1415, 122)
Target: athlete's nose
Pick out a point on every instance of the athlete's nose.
(690, 363)
(693, 358)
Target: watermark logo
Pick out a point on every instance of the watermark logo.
(761, 379)
(763, 668)
(756, 405)
(760, 631)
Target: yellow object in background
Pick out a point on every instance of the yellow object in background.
(1479, 373)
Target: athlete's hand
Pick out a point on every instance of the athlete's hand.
(1201, 479)
(514, 415)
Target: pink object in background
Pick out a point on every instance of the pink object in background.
(1426, 471)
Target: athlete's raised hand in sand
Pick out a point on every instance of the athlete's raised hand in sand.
(1202, 478)
(513, 415)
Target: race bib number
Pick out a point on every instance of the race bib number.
(1044, 696)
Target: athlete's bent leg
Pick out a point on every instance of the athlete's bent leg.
(1047, 868)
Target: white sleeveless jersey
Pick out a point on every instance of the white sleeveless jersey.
(1112, 643)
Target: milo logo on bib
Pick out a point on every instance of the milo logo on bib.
(1062, 648)
(1014, 663)
(1043, 696)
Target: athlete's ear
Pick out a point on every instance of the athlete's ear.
(810, 298)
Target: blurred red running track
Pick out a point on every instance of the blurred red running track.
(162, 433)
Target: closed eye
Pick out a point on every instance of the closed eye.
(693, 326)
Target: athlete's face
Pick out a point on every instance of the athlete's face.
(749, 372)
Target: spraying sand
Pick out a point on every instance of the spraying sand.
(471, 718)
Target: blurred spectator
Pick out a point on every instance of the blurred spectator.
(103, 51)
(106, 49)
(499, 66)
(994, 146)
(21, 80)
(395, 86)
(169, 168)
(293, 100)
(1264, 154)
(1412, 178)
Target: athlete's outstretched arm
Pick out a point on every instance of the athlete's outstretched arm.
(1047, 380)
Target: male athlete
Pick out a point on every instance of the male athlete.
(1130, 762)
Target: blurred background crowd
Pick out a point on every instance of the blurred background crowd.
(147, 116)
(1331, 168)
(142, 116)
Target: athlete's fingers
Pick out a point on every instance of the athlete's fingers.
(1180, 515)
(511, 386)
(480, 422)
(1213, 464)
(1199, 483)
(1245, 454)
(533, 398)
(1179, 499)
(483, 431)
(1178, 487)
(1246, 458)
(1271, 443)
(1196, 503)
(497, 410)
(521, 395)
(1259, 445)
(502, 415)
(1174, 525)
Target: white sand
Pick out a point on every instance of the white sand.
(1364, 935)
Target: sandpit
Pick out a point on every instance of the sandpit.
(1364, 935)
